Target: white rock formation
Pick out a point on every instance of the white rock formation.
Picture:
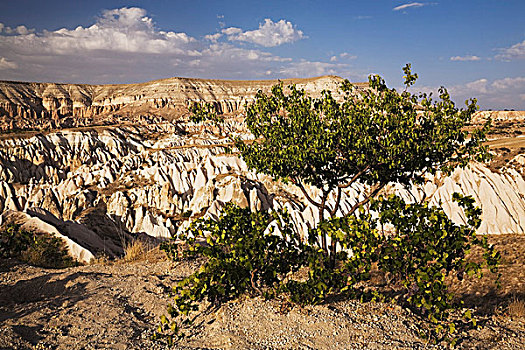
(139, 183)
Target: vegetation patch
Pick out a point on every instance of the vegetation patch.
(34, 248)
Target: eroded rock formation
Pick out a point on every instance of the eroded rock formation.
(48, 105)
(150, 176)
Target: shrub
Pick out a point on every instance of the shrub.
(36, 249)
(375, 136)
(137, 250)
(244, 254)
(425, 247)
(420, 249)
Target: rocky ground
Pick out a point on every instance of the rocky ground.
(117, 305)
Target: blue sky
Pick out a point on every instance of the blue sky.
(476, 48)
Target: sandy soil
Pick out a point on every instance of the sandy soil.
(116, 306)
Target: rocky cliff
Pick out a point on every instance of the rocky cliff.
(50, 105)
(98, 186)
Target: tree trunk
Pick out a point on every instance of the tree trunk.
(321, 218)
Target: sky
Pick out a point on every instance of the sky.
(475, 48)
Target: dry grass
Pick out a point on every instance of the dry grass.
(516, 308)
(102, 259)
(140, 250)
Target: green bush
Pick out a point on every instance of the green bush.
(374, 136)
(35, 249)
(420, 249)
(243, 254)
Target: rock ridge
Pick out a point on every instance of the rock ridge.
(53, 105)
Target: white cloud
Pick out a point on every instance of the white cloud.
(124, 30)
(497, 94)
(213, 37)
(343, 55)
(479, 86)
(305, 68)
(18, 30)
(516, 51)
(22, 30)
(347, 56)
(408, 5)
(124, 45)
(232, 31)
(269, 33)
(465, 58)
(5, 64)
(509, 83)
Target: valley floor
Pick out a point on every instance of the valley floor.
(117, 305)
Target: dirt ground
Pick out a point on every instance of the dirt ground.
(117, 306)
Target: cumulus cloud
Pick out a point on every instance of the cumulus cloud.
(213, 37)
(516, 51)
(124, 30)
(124, 45)
(408, 5)
(509, 83)
(306, 68)
(496, 94)
(5, 64)
(347, 56)
(465, 58)
(18, 30)
(269, 33)
(479, 86)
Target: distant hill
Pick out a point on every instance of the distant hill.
(26, 105)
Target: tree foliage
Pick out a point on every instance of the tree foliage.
(259, 252)
(425, 247)
(375, 136)
(246, 252)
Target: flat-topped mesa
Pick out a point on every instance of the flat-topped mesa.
(51, 105)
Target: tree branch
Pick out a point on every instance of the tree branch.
(374, 192)
(321, 218)
(355, 177)
(337, 202)
(300, 185)
(252, 280)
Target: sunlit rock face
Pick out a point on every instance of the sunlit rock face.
(99, 186)
(132, 184)
(45, 106)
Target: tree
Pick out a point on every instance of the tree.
(375, 136)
